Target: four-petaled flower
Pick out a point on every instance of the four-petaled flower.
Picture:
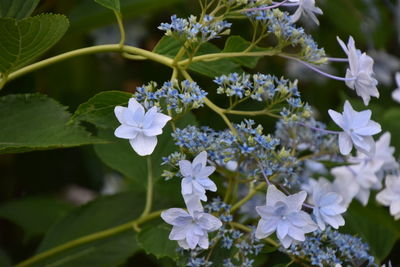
(195, 176)
(283, 214)
(140, 127)
(396, 92)
(308, 8)
(390, 196)
(358, 129)
(327, 205)
(190, 229)
(360, 73)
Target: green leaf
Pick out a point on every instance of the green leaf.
(120, 156)
(111, 4)
(154, 240)
(102, 214)
(375, 226)
(4, 259)
(34, 215)
(169, 47)
(390, 122)
(99, 110)
(18, 9)
(23, 41)
(36, 122)
(238, 44)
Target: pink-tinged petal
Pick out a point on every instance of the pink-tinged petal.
(143, 145)
(119, 113)
(170, 215)
(126, 132)
(160, 120)
(186, 186)
(274, 195)
(336, 117)
(295, 201)
(185, 167)
(345, 143)
(200, 159)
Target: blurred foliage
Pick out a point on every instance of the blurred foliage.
(35, 187)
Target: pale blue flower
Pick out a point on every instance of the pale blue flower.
(195, 176)
(190, 229)
(390, 196)
(396, 92)
(140, 127)
(308, 8)
(283, 214)
(358, 129)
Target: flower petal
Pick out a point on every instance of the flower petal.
(126, 132)
(345, 143)
(144, 145)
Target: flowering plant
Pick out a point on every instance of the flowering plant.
(261, 181)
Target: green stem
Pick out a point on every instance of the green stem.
(91, 50)
(121, 28)
(89, 238)
(251, 113)
(149, 194)
(251, 193)
(249, 230)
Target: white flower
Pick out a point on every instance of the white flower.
(308, 8)
(396, 92)
(327, 205)
(283, 214)
(360, 71)
(390, 196)
(140, 127)
(357, 129)
(195, 176)
(190, 229)
(357, 181)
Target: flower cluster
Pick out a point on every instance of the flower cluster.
(179, 97)
(281, 25)
(193, 30)
(329, 248)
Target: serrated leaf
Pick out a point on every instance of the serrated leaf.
(101, 214)
(238, 44)
(120, 156)
(18, 9)
(34, 215)
(23, 41)
(99, 110)
(154, 240)
(169, 47)
(36, 122)
(111, 4)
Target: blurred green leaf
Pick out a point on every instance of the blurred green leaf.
(154, 240)
(34, 215)
(100, 214)
(4, 259)
(120, 156)
(375, 226)
(111, 4)
(99, 110)
(36, 122)
(88, 15)
(391, 122)
(18, 9)
(23, 41)
(169, 47)
(238, 44)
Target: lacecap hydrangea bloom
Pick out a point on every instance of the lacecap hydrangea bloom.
(308, 8)
(139, 126)
(358, 129)
(283, 214)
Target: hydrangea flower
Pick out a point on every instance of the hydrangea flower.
(327, 205)
(283, 214)
(358, 129)
(308, 8)
(140, 127)
(190, 229)
(357, 180)
(195, 176)
(396, 92)
(390, 196)
(360, 73)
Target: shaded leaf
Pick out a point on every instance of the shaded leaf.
(18, 9)
(238, 44)
(111, 4)
(23, 41)
(4, 259)
(36, 122)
